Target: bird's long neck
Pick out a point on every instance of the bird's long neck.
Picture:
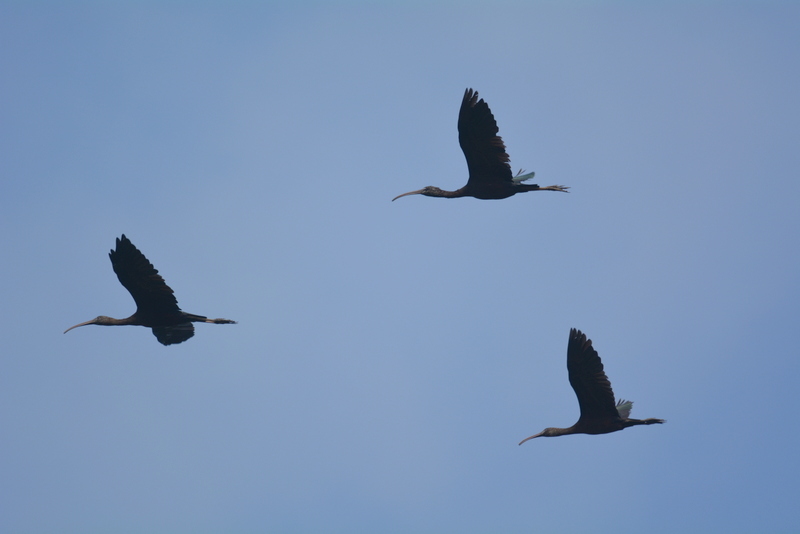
(458, 193)
(521, 188)
(552, 432)
(110, 321)
(106, 321)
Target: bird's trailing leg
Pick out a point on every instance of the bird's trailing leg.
(520, 177)
(649, 421)
(562, 188)
(204, 319)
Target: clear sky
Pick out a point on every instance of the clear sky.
(390, 356)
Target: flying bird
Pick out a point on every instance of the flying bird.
(156, 305)
(599, 414)
(490, 175)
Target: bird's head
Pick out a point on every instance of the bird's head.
(100, 319)
(429, 191)
(547, 432)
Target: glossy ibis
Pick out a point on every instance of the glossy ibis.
(599, 414)
(490, 174)
(156, 305)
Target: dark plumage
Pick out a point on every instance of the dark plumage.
(599, 413)
(156, 305)
(490, 175)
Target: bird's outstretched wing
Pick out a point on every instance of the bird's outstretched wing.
(152, 295)
(484, 149)
(170, 335)
(587, 378)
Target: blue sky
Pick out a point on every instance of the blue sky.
(390, 356)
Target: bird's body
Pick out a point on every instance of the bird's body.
(599, 413)
(156, 305)
(490, 176)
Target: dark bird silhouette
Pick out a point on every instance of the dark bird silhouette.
(490, 175)
(156, 305)
(599, 414)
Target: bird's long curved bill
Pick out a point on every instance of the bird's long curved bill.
(417, 192)
(530, 437)
(93, 321)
